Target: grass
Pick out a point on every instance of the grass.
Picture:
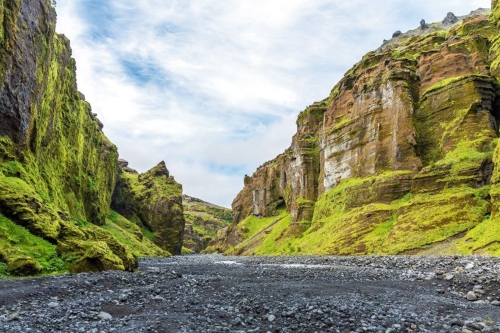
(147, 233)
(482, 239)
(410, 222)
(16, 241)
(253, 224)
(128, 234)
(274, 241)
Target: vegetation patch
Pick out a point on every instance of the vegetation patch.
(254, 224)
(129, 234)
(482, 239)
(17, 242)
(448, 81)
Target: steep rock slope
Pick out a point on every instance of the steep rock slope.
(400, 158)
(203, 220)
(57, 169)
(153, 200)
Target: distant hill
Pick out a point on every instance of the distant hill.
(203, 219)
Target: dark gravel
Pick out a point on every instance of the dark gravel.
(263, 294)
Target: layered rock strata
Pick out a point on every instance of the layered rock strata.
(399, 157)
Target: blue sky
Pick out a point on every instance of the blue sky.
(213, 87)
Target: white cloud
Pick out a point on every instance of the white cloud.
(213, 87)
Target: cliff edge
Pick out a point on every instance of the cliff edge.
(57, 168)
(400, 158)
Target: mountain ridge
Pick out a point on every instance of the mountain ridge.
(399, 157)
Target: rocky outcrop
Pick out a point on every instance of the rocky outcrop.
(450, 19)
(153, 200)
(57, 169)
(399, 157)
(56, 166)
(203, 220)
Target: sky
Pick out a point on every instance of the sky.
(213, 87)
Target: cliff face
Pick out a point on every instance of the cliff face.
(399, 157)
(57, 169)
(153, 200)
(203, 220)
(45, 119)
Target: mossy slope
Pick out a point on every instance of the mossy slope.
(57, 168)
(203, 220)
(407, 154)
(152, 200)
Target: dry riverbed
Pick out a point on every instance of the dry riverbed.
(263, 294)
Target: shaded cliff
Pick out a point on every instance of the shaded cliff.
(203, 220)
(57, 169)
(400, 158)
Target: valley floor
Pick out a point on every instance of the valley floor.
(214, 293)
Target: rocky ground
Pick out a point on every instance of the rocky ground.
(270, 294)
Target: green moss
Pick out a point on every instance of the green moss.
(153, 200)
(147, 233)
(315, 111)
(92, 248)
(254, 224)
(476, 27)
(16, 241)
(186, 251)
(453, 116)
(342, 224)
(64, 129)
(482, 239)
(448, 81)
(302, 201)
(125, 233)
(205, 222)
(3, 269)
(495, 55)
(275, 242)
(24, 266)
(341, 124)
(20, 201)
(6, 146)
(433, 218)
(55, 185)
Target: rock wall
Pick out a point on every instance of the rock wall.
(57, 168)
(49, 124)
(399, 157)
(153, 200)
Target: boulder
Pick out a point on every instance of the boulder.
(122, 163)
(24, 266)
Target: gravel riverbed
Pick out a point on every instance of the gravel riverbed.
(214, 293)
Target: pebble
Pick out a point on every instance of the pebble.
(469, 266)
(471, 296)
(449, 276)
(196, 294)
(104, 316)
